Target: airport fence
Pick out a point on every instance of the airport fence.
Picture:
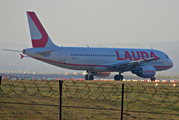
(41, 99)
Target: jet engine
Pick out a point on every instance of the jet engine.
(101, 74)
(144, 71)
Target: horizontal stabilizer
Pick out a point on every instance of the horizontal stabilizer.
(12, 50)
(22, 56)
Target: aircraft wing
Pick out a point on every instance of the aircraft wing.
(131, 63)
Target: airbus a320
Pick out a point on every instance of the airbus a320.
(96, 61)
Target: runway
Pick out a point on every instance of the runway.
(81, 77)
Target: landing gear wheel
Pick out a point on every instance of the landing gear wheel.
(86, 77)
(121, 77)
(153, 79)
(116, 77)
(91, 77)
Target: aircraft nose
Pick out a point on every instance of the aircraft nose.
(170, 63)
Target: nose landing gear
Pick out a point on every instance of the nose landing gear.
(118, 77)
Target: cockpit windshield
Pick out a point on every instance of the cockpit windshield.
(167, 56)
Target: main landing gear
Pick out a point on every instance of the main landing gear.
(89, 76)
(118, 77)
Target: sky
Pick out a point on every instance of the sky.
(97, 23)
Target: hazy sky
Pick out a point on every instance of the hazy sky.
(92, 22)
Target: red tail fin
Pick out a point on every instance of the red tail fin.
(39, 36)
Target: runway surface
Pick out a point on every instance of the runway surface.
(81, 77)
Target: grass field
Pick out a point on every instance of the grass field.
(29, 99)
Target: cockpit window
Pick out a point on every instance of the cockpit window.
(167, 56)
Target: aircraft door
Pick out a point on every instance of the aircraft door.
(159, 55)
(62, 55)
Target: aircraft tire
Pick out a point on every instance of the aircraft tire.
(86, 77)
(121, 77)
(116, 77)
(91, 77)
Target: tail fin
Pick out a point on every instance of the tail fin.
(39, 36)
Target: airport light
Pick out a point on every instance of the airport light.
(156, 84)
(174, 85)
(48, 78)
(66, 73)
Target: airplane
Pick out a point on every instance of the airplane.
(98, 62)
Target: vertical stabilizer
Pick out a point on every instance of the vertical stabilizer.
(38, 34)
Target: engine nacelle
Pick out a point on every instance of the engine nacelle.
(144, 71)
(101, 74)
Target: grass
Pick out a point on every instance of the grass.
(28, 99)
